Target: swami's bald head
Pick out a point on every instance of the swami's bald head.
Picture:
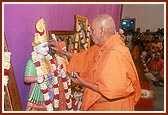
(103, 27)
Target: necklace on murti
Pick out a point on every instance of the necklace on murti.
(46, 66)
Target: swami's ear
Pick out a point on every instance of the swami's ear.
(102, 31)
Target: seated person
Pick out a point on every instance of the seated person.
(144, 54)
(157, 44)
(150, 55)
(156, 70)
(135, 52)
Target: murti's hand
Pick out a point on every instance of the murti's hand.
(40, 79)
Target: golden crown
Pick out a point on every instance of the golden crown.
(41, 34)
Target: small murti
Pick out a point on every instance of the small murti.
(50, 88)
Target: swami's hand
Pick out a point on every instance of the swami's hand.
(55, 46)
(77, 79)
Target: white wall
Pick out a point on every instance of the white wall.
(148, 16)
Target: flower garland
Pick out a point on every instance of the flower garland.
(76, 43)
(41, 73)
(78, 95)
(7, 65)
(57, 72)
(79, 35)
(66, 81)
(62, 73)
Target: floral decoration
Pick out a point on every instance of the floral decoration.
(7, 64)
(58, 72)
(84, 41)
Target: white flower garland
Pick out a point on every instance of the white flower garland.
(43, 72)
(66, 81)
(58, 71)
(78, 36)
(7, 64)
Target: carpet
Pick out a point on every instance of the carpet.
(143, 104)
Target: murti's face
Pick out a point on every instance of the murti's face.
(42, 49)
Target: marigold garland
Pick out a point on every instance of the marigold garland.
(58, 72)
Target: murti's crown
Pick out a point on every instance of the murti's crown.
(41, 35)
